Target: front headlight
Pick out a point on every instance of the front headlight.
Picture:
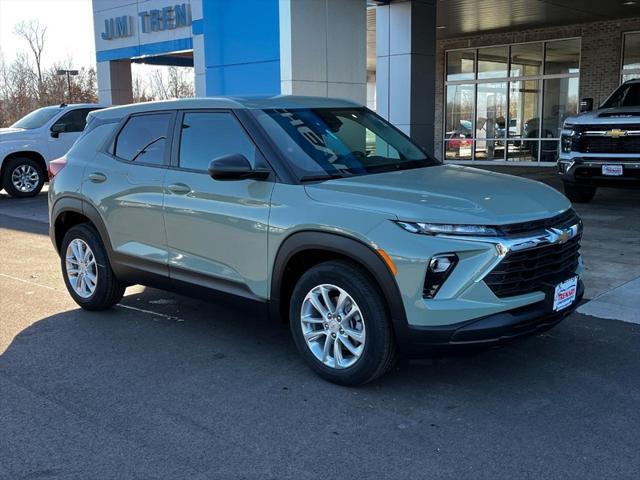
(448, 229)
(565, 143)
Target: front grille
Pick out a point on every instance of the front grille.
(565, 219)
(584, 143)
(528, 270)
(589, 144)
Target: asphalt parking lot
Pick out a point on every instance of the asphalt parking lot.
(164, 386)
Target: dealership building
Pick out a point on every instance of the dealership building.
(474, 81)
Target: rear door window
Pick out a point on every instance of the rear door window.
(75, 120)
(143, 139)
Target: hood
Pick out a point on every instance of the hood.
(9, 130)
(445, 194)
(604, 116)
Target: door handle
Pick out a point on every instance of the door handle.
(97, 177)
(179, 188)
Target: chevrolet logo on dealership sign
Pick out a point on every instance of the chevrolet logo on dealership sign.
(615, 133)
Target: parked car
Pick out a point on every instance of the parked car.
(601, 148)
(27, 147)
(367, 248)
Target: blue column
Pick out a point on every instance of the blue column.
(241, 47)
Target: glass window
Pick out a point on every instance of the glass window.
(524, 102)
(631, 55)
(210, 135)
(514, 106)
(459, 110)
(75, 120)
(461, 65)
(322, 142)
(493, 62)
(562, 56)
(37, 118)
(458, 148)
(560, 101)
(523, 150)
(526, 59)
(143, 139)
(491, 110)
(624, 96)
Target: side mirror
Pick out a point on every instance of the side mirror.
(586, 105)
(235, 167)
(57, 129)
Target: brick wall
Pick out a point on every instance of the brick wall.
(599, 63)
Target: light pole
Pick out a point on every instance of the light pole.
(69, 74)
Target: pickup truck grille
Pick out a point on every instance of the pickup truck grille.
(590, 141)
(527, 270)
(606, 145)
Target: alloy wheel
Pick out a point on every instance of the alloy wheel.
(81, 268)
(25, 178)
(333, 326)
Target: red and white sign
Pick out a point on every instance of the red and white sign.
(565, 294)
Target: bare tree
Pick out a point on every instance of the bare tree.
(173, 82)
(34, 33)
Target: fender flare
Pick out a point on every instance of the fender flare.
(71, 204)
(348, 247)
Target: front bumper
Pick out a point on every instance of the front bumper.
(491, 330)
(588, 171)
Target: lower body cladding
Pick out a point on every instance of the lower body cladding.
(487, 331)
(500, 289)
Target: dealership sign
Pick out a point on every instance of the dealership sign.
(155, 20)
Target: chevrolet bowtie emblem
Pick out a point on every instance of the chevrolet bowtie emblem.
(615, 133)
(561, 236)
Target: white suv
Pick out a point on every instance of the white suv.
(27, 147)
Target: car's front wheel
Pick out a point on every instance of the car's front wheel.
(87, 271)
(340, 324)
(579, 193)
(23, 177)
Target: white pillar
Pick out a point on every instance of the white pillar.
(199, 66)
(405, 73)
(114, 82)
(323, 48)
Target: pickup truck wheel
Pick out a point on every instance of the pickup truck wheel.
(86, 269)
(340, 324)
(579, 193)
(23, 177)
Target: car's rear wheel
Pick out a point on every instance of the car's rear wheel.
(579, 193)
(86, 269)
(23, 177)
(340, 324)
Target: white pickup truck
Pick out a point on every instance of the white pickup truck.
(27, 147)
(601, 148)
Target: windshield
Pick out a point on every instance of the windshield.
(626, 96)
(338, 142)
(37, 118)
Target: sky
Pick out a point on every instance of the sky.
(69, 29)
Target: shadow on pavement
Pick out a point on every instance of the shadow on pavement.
(214, 393)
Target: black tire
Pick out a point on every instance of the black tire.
(16, 163)
(379, 353)
(579, 193)
(109, 290)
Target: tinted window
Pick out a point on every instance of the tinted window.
(208, 135)
(75, 120)
(143, 138)
(626, 96)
